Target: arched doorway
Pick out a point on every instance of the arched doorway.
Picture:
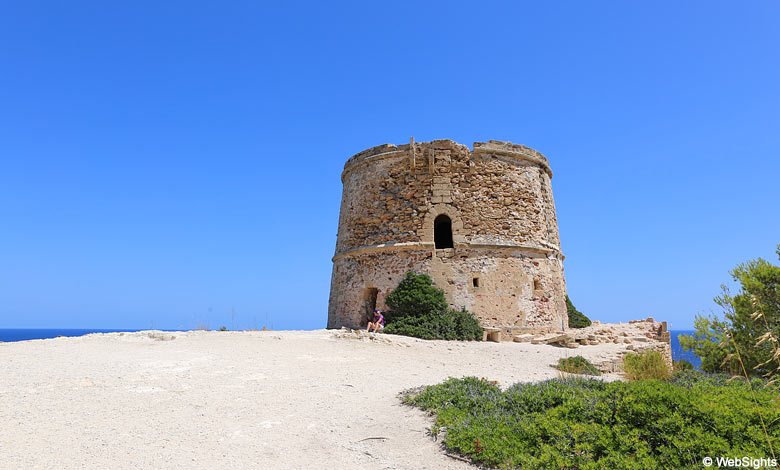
(442, 232)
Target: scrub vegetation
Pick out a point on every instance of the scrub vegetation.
(682, 365)
(579, 423)
(577, 365)
(646, 365)
(577, 319)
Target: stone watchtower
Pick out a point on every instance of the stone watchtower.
(480, 222)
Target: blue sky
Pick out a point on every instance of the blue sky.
(169, 163)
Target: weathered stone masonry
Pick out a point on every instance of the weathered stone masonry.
(480, 222)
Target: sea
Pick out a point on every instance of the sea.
(25, 334)
(677, 350)
(8, 335)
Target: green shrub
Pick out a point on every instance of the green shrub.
(682, 365)
(577, 319)
(447, 324)
(415, 295)
(646, 365)
(577, 365)
(590, 424)
(418, 308)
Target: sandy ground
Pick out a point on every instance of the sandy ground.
(290, 399)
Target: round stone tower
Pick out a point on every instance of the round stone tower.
(480, 222)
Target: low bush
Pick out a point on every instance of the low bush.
(589, 424)
(577, 365)
(447, 324)
(646, 365)
(418, 308)
(682, 365)
(577, 319)
(414, 296)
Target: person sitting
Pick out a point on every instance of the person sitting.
(378, 323)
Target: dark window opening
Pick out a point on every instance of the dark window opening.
(442, 232)
(369, 302)
(475, 282)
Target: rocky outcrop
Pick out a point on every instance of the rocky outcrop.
(634, 336)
